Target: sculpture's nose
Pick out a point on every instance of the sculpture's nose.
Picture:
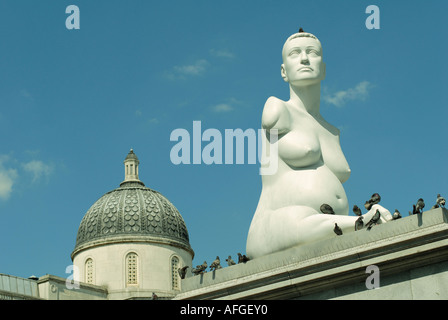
(304, 58)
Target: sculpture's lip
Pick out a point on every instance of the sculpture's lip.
(308, 68)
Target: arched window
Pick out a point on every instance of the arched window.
(175, 278)
(131, 269)
(89, 272)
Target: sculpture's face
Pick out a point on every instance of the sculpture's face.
(302, 61)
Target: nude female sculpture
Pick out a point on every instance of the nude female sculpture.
(311, 165)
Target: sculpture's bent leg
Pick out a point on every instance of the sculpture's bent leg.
(276, 230)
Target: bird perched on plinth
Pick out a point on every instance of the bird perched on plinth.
(200, 269)
(396, 215)
(374, 199)
(418, 207)
(359, 224)
(182, 272)
(230, 261)
(301, 30)
(356, 210)
(154, 296)
(337, 230)
(326, 209)
(216, 264)
(242, 258)
(441, 201)
(376, 217)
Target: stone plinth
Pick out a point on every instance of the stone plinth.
(411, 254)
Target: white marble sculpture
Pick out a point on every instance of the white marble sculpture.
(311, 165)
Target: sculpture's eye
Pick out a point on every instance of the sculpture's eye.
(294, 53)
(312, 52)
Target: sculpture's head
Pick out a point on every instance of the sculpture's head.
(302, 60)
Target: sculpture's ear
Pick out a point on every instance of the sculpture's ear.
(283, 72)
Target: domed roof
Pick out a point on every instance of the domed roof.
(131, 155)
(132, 213)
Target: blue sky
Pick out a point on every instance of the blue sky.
(73, 102)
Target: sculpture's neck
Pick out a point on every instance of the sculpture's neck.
(307, 98)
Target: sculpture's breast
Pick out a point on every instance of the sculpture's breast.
(334, 158)
(299, 148)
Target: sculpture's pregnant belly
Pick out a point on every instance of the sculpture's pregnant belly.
(304, 187)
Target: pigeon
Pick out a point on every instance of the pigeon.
(326, 209)
(200, 268)
(337, 230)
(154, 296)
(242, 258)
(230, 261)
(357, 211)
(374, 220)
(441, 201)
(367, 205)
(359, 224)
(216, 264)
(182, 272)
(301, 30)
(396, 215)
(375, 198)
(419, 206)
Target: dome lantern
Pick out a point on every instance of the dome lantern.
(131, 168)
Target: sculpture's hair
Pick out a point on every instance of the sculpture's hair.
(302, 34)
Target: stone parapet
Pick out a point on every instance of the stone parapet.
(406, 251)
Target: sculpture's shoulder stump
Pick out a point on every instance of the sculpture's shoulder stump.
(274, 113)
(411, 254)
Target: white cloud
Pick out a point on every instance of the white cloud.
(196, 69)
(25, 93)
(222, 107)
(38, 169)
(222, 53)
(153, 121)
(231, 104)
(359, 92)
(8, 178)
